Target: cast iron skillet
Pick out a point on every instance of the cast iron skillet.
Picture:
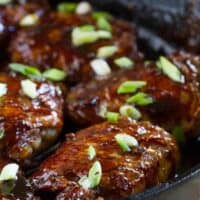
(186, 184)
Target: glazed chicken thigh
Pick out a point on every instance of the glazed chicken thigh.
(56, 43)
(160, 99)
(13, 12)
(122, 171)
(31, 116)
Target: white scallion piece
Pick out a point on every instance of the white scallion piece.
(100, 67)
(83, 8)
(29, 88)
(3, 89)
(126, 141)
(29, 20)
(9, 172)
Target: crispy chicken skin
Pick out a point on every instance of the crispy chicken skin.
(12, 13)
(50, 45)
(123, 173)
(174, 104)
(29, 125)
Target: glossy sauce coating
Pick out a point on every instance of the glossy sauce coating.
(174, 104)
(21, 188)
(29, 125)
(123, 173)
(12, 13)
(50, 45)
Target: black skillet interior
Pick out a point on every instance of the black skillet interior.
(186, 184)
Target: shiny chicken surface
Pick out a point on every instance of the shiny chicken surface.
(174, 104)
(12, 13)
(50, 45)
(123, 173)
(28, 123)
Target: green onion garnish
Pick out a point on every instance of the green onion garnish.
(94, 176)
(80, 37)
(126, 141)
(106, 51)
(130, 86)
(130, 111)
(179, 135)
(3, 89)
(104, 24)
(141, 99)
(29, 88)
(87, 27)
(5, 2)
(31, 72)
(169, 69)
(67, 7)
(124, 62)
(2, 132)
(54, 74)
(104, 34)
(29, 20)
(9, 172)
(87, 34)
(91, 152)
(101, 14)
(112, 117)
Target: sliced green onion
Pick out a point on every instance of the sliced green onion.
(179, 135)
(81, 37)
(130, 86)
(126, 141)
(29, 88)
(54, 74)
(100, 67)
(94, 176)
(141, 99)
(104, 34)
(169, 69)
(29, 20)
(112, 117)
(101, 14)
(5, 2)
(3, 89)
(91, 152)
(2, 132)
(124, 62)
(106, 51)
(9, 172)
(31, 72)
(87, 27)
(67, 7)
(104, 24)
(130, 111)
(83, 8)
